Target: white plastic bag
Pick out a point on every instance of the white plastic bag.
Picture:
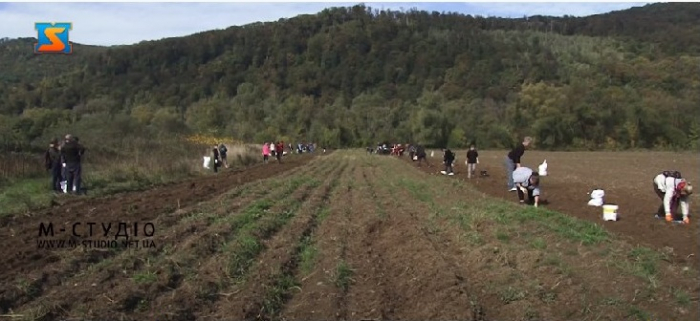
(542, 170)
(597, 198)
(432, 153)
(207, 162)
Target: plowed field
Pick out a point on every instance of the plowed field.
(344, 236)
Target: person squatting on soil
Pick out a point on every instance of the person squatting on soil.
(421, 156)
(512, 161)
(216, 158)
(527, 181)
(266, 152)
(472, 160)
(54, 165)
(448, 158)
(673, 190)
(72, 152)
(411, 152)
(222, 152)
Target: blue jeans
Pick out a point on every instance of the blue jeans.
(510, 167)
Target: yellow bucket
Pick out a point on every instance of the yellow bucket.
(610, 212)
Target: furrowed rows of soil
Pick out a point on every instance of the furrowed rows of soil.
(526, 263)
(270, 284)
(359, 237)
(27, 278)
(374, 262)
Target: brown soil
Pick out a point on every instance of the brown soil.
(625, 177)
(340, 237)
(43, 268)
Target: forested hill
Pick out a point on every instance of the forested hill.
(355, 76)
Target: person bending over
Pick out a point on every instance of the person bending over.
(527, 181)
(673, 191)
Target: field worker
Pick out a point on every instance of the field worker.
(472, 160)
(448, 158)
(266, 152)
(222, 152)
(421, 156)
(527, 181)
(279, 150)
(72, 153)
(673, 190)
(216, 158)
(272, 149)
(512, 161)
(54, 164)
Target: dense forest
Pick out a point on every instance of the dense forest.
(355, 76)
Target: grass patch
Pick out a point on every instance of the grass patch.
(502, 236)
(511, 294)
(681, 297)
(638, 314)
(248, 243)
(278, 294)
(539, 243)
(641, 262)
(566, 226)
(145, 277)
(343, 275)
(307, 255)
(27, 194)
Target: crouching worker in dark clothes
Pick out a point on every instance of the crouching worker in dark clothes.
(673, 191)
(448, 158)
(527, 181)
(72, 153)
(54, 165)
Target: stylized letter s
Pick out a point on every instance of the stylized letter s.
(56, 43)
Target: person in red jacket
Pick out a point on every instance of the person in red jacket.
(280, 150)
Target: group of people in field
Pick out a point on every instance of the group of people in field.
(64, 161)
(273, 149)
(670, 186)
(269, 149)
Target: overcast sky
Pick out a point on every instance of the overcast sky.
(128, 23)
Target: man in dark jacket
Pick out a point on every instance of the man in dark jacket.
(448, 158)
(512, 161)
(54, 165)
(421, 156)
(222, 153)
(72, 152)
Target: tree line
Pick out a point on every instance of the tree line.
(356, 76)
